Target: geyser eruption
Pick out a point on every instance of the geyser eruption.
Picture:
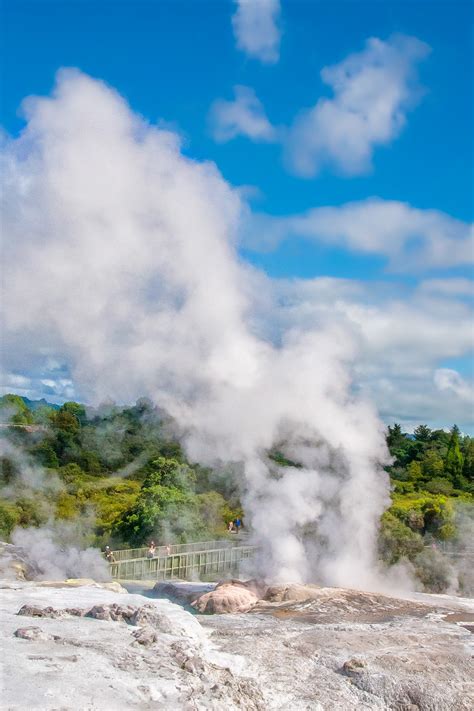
(125, 252)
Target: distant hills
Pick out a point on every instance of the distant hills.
(35, 404)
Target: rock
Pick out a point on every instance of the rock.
(292, 591)
(34, 634)
(149, 616)
(226, 599)
(34, 611)
(145, 636)
(114, 613)
(258, 587)
(353, 667)
(129, 665)
(14, 564)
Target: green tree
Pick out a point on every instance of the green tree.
(414, 472)
(453, 463)
(65, 421)
(14, 409)
(396, 540)
(395, 437)
(468, 465)
(432, 465)
(422, 433)
(166, 506)
(439, 485)
(74, 408)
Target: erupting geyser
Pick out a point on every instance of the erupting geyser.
(125, 251)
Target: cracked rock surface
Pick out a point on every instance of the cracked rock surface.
(340, 650)
(313, 649)
(95, 649)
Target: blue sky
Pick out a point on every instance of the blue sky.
(174, 61)
(171, 59)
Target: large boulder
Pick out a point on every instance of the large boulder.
(258, 587)
(226, 599)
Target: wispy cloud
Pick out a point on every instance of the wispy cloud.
(447, 379)
(373, 90)
(411, 239)
(245, 116)
(256, 29)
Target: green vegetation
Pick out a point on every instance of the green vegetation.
(117, 466)
(120, 468)
(432, 479)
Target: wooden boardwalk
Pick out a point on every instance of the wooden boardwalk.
(203, 560)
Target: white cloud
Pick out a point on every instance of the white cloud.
(454, 287)
(401, 335)
(373, 91)
(447, 379)
(243, 117)
(256, 29)
(411, 239)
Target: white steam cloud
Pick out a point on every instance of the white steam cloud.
(56, 554)
(123, 250)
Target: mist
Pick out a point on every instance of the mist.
(58, 552)
(126, 252)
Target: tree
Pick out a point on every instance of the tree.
(166, 507)
(468, 465)
(74, 408)
(396, 540)
(14, 409)
(432, 465)
(414, 471)
(453, 463)
(422, 433)
(439, 485)
(66, 421)
(395, 436)
(398, 444)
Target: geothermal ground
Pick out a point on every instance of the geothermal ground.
(298, 647)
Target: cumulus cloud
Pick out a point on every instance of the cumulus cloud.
(448, 379)
(411, 239)
(373, 90)
(454, 286)
(243, 117)
(402, 335)
(256, 29)
(125, 251)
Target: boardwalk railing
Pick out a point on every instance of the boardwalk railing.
(132, 553)
(190, 565)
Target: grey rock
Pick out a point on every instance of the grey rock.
(34, 634)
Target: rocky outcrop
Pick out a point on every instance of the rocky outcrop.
(128, 651)
(347, 649)
(226, 599)
(340, 649)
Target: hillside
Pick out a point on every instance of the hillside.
(117, 476)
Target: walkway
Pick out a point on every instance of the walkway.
(189, 561)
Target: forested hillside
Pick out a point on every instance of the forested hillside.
(120, 470)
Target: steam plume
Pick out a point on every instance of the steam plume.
(124, 250)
